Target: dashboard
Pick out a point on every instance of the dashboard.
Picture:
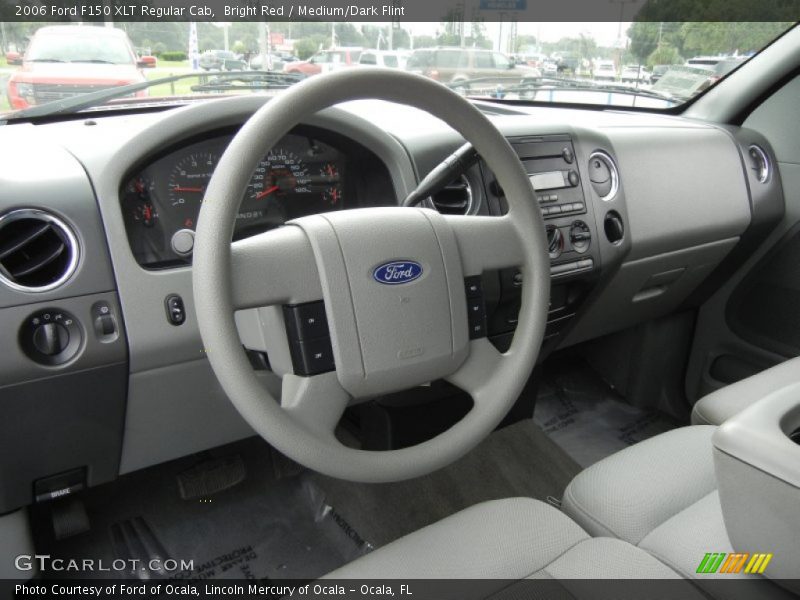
(640, 210)
(307, 172)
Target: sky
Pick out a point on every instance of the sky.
(604, 33)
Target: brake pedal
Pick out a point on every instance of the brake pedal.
(69, 517)
(211, 477)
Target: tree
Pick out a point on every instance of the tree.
(665, 54)
(644, 39)
(304, 48)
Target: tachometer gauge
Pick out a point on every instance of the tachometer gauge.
(189, 178)
(281, 173)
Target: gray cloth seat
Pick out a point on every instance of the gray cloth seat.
(661, 496)
(512, 539)
(718, 406)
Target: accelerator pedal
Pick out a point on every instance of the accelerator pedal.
(69, 517)
(211, 477)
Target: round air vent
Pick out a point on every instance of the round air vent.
(455, 198)
(759, 162)
(603, 175)
(38, 252)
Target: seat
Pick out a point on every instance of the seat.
(512, 539)
(717, 407)
(661, 496)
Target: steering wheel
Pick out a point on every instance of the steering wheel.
(384, 337)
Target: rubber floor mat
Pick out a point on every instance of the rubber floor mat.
(587, 418)
(260, 528)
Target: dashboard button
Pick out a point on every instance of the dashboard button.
(563, 268)
(176, 312)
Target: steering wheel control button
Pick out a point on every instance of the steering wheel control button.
(476, 307)
(182, 242)
(176, 312)
(473, 286)
(306, 321)
(50, 337)
(312, 357)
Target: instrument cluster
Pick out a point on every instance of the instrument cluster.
(300, 176)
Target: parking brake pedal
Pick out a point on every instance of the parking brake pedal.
(69, 517)
(211, 477)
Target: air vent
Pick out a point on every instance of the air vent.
(38, 252)
(455, 198)
(604, 175)
(759, 163)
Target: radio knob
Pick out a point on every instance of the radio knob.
(573, 178)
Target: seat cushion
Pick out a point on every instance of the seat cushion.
(630, 493)
(504, 540)
(507, 539)
(718, 406)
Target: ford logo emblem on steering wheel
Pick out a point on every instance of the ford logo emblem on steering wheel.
(397, 272)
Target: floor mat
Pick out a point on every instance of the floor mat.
(260, 527)
(588, 418)
(518, 460)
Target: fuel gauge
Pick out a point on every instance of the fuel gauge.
(332, 196)
(146, 214)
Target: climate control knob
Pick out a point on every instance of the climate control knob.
(555, 241)
(580, 236)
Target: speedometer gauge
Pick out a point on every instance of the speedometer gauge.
(280, 173)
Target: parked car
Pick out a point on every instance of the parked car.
(658, 72)
(384, 58)
(13, 57)
(569, 63)
(462, 64)
(279, 61)
(550, 68)
(324, 61)
(69, 60)
(222, 60)
(604, 70)
(633, 74)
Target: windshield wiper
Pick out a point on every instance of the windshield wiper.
(254, 80)
(558, 83)
(84, 101)
(46, 60)
(98, 61)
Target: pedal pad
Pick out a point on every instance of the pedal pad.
(211, 477)
(69, 517)
(283, 466)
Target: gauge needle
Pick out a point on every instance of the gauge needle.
(267, 192)
(178, 188)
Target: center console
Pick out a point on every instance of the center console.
(757, 464)
(564, 192)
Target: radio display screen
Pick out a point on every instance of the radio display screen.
(548, 181)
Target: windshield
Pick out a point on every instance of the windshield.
(648, 65)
